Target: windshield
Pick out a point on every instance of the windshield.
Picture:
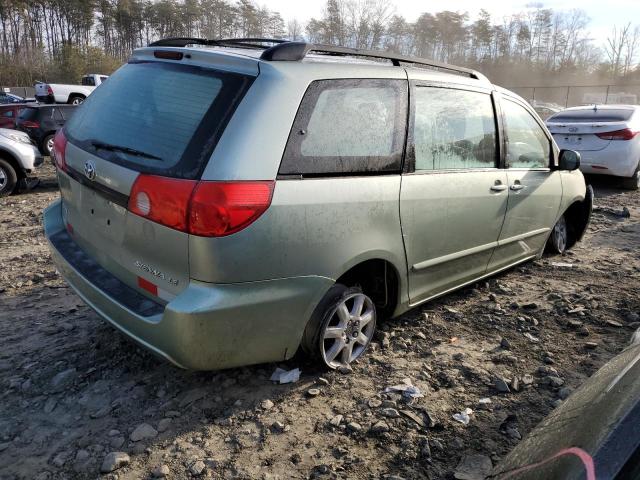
(174, 113)
(591, 115)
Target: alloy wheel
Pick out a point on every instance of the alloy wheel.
(3, 179)
(349, 330)
(560, 235)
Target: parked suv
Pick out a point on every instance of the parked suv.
(19, 159)
(9, 114)
(41, 122)
(282, 198)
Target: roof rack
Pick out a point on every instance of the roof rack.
(284, 50)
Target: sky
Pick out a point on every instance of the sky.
(604, 14)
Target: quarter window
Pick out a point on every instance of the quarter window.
(8, 113)
(527, 144)
(453, 129)
(348, 126)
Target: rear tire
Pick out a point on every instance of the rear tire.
(341, 327)
(8, 178)
(47, 145)
(76, 100)
(559, 238)
(633, 182)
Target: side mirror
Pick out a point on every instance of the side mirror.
(569, 160)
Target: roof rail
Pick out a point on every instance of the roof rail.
(297, 51)
(284, 50)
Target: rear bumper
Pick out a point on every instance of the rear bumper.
(206, 327)
(620, 161)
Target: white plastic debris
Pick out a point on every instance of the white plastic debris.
(406, 388)
(561, 264)
(282, 376)
(464, 416)
(484, 401)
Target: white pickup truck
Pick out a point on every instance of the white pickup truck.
(72, 94)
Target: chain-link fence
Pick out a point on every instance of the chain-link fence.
(572, 95)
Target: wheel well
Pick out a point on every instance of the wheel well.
(379, 280)
(577, 216)
(13, 162)
(75, 94)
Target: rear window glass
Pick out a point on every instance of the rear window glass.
(172, 115)
(28, 114)
(347, 127)
(587, 116)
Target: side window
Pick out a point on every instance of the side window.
(57, 115)
(453, 129)
(7, 114)
(527, 144)
(348, 126)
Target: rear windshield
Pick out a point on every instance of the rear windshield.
(28, 113)
(171, 115)
(587, 116)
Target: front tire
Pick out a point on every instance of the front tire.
(8, 178)
(633, 182)
(341, 327)
(559, 238)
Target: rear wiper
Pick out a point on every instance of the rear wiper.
(118, 148)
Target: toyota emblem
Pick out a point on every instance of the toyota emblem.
(573, 129)
(89, 170)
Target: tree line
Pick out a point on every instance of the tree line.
(59, 40)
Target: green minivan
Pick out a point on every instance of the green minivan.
(226, 202)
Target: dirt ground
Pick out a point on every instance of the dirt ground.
(73, 390)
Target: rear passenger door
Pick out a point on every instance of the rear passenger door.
(535, 190)
(454, 195)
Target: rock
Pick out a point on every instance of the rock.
(473, 466)
(345, 369)
(63, 379)
(323, 381)
(380, 427)
(413, 416)
(374, 403)
(60, 459)
(160, 471)
(82, 455)
(278, 427)
(114, 461)
(390, 412)
(144, 431)
(336, 420)
(554, 381)
(313, 392)
(354, 427)
(501, 385)
(436, 445)
(584, 332)
(530, 306)
(574, 324)
(266, 404)
(564, 393)
(197, 468)
(193, 395)
(515, 384)
(50, 404)
(590, 345)
(504, 343)
(530, 337)
(544, 370)
(527, 380)
(548, 360)
(164, 425)
(116, 442)
(613, 323)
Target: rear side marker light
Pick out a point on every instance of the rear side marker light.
(30, 124)
(205, 208)
(624, 134)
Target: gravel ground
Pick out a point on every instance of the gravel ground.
(77, 397)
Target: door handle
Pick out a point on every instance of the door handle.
(517, 186)
(498, 187)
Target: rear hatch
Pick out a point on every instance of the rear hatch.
(155, 122)
(588, 129)
(42, 90)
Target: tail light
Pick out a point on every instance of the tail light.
(59, 150)
(30, 124)
(624, 134)
(49, 90)
(208, 209)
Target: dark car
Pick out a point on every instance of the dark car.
(7, 98)
(42, 122)
(9, 114)
(594, 434)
